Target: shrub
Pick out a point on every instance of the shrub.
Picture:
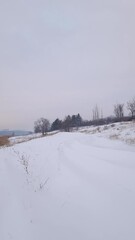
(4, 140)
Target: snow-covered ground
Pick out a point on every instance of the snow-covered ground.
(124, 131)
(25, 138)
(68, 186)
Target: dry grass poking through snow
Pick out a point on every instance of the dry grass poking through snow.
(21, 139)
(4, 140)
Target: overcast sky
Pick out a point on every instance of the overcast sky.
(60, 57)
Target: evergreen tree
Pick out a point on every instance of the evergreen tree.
(56, 125)
(67, 123)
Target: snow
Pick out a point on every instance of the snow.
(70, 186)
(124, 131)
(25, 138)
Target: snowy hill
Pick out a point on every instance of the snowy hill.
(70, 186)
(124, 131)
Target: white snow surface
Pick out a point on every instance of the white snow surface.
(25, 138)
(69, 186)
(124, 131)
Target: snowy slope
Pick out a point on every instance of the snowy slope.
(70, 186)
(124, 131)
(20, 139)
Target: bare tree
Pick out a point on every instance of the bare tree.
(41, 125)
(95, 113)
(131, 107)
(119, 111)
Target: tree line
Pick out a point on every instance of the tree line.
(43, 125)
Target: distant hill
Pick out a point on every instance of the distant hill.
(7, 132)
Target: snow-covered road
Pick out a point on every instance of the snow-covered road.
(70, 186)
